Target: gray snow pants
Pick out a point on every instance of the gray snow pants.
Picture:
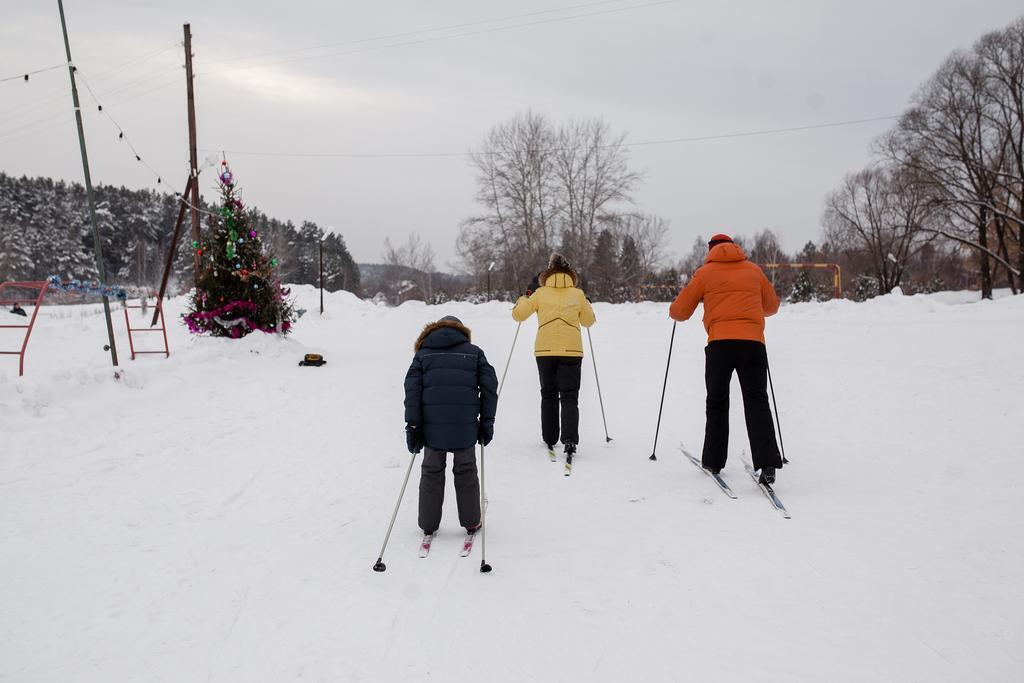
(467, 488)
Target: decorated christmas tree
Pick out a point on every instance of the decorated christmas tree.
(238, 289)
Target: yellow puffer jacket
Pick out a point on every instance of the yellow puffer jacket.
(561, 308)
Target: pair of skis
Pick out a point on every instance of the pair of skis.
(568, 460)
(766, 489)
(467, 545)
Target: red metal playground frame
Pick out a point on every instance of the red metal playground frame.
(41, 286)
(163, 327)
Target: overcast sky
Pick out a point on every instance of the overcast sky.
(651, 70)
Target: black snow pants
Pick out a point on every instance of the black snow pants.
(750, 361)
(559, 387)
(467, 488)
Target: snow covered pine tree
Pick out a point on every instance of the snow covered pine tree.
(238, 289)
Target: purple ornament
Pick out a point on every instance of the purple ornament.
(252, 234)
(226, 177)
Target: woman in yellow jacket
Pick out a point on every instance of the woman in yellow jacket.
(561, 308)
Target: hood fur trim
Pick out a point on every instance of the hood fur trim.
(437, 325)
(542, 279)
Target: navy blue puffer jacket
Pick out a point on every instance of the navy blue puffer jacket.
(450, 388)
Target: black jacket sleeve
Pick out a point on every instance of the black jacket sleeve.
(488, 382)
(414, 392)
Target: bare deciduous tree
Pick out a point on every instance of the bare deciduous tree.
(416, 255)
(517, 185)
(950, 149)
(592, 167)
(881, 212)
(543, 188)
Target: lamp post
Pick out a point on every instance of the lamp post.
(489, 269)
(321, 244)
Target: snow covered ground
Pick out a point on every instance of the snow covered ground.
(215, 516)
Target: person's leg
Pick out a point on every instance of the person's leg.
(569, 370)
(547, 367)
(431, 489)
(467, 487)
(718, 366)
(752, 369)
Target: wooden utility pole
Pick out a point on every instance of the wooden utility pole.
(97, 245)
(192, 156)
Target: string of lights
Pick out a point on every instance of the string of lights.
(440, 38)
(61, 93)
(123, 136)
(639, 143)
(25, 76)
(63, 116)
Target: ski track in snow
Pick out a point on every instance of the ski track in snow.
(215, 516)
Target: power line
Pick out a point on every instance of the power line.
(771, 131)
(406, 34)
(62, 115)
(641, 143)
(440, 38)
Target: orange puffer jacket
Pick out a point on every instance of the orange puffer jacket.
(737, 296)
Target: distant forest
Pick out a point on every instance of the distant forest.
(45, 230)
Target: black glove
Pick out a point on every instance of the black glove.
(413, 438)
(485, 433)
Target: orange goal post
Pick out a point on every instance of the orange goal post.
(837, 275)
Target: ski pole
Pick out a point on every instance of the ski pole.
(484, 567)
(598, 380)
(509, 361)
(778, 424)
(663, 386)
(380, 566)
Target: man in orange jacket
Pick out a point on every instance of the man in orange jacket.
(737, 298)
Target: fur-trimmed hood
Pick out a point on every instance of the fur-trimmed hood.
(442, 324)
(542, 279)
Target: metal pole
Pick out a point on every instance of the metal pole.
(484, 567)
(509, 361)
(663, 387)
(321, 277)
(598, 380)
(778, 424)
(379, 566)
(97, 246)
(192, 155)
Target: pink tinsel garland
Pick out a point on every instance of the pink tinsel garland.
(195, 320)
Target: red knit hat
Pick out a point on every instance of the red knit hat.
(720, 238)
